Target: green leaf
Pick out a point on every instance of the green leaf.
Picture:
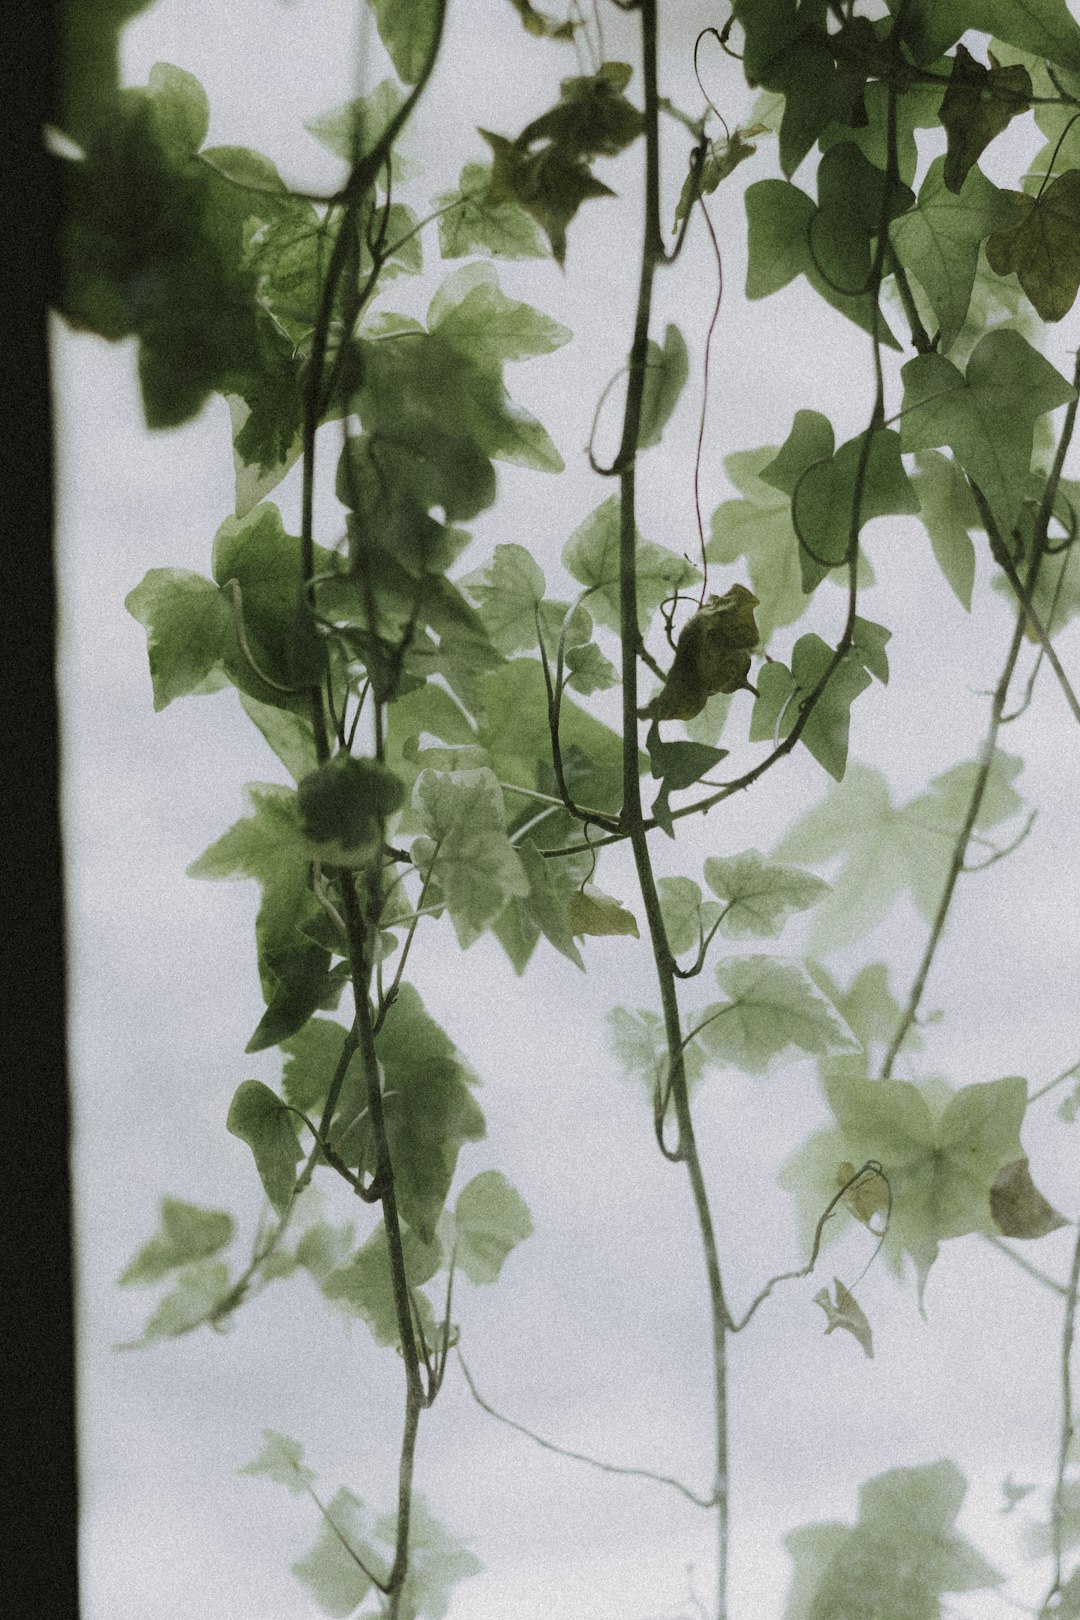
(686, 919)
(260, 1118)
(429, 1108)
(333, 1577)
(478, 224)
(544, 910)
(948, 512)
(354, 129)
(666, 371)
(187, 1233)
(640, 1044)
(589, 670)
(1044, 247)
(509, 591)
(760, 896)
(201, 1287)
(467, 849)
(978, 104)
(986, 415)
(548, 185)
(1045, 27)
(409, 30)
(787, 48)
(364, 1285)
(282, 1460)
(677, 765)
(269, 846)
(888, 849)
(155, 246)
(87, 80)
(940, 1163)
(590, 911)
(536, 22)
(343, 806)
(591, 556)
(823, 500)
(472, 314)
(721, 160)
(772, 1006)
(490, 1219)
(291, 736)
(758, 527)
(844, 1311)
(780, 219)
(781, 694)
(264, 561)
(905, 1552)
(188, 628)
(939, 241)
(916, 108)
(867, 1005)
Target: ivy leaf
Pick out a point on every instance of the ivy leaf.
(467, 849)
(590, 911)
(917, 108)
(544, 910)
(589, 670)
(354, 129)
(545, 170)
(888, 849)
(472, 314)
(1044, 27)
(1018, 1207)
(509, 591)
(844, 1311)
(254, 556)
(364, 1285)
(591, 556)
(290, 735)
(868, 1004)
(782, 220)
(712, 655)
(282, 1460)
(772, 1006)
(343, 806)
(686, 919)
(938, 241)
(781, 694)
(788, 49)
(677, 765)
(408, 29)
(905, 1551)
(978, 104)
(758, 527)
(473, 222)
(490, 1219)
(823, 500)
(188, 627)
(260, 1118)
(201, 1288)
(948, 511)
(986, 415)
(429, 1107)
(1044, 247)
(332, 1575)
(940, 1165)
(269, 845)
(760, 896)
(640, 1044)
(666, 371)
(187, 1233)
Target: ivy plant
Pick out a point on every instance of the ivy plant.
(467, 739)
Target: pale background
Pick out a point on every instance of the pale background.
(597, 1333)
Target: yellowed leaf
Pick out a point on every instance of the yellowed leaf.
(590, 911)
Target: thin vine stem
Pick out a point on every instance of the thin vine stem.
(1057, 1509)
(579, 1456)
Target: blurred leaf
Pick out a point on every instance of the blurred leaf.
(343, 806)
(478, 224)
(282, 1460)
(666, 371)
(200, 1288)
(409, 30)
(772, 1006)
(260, 1118)
(364, 1284)
(759, 896)
(640, 1044)
(948, 511)
(590, 911)
(1018, 1207)
(591, 556)
(758, 527)
(490, 1219)
(187, 1233)
(333, 1577)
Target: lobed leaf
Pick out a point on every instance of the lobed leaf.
(490, 1219)
(260, 1118)
(187, 1233)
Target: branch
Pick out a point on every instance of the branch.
(1057, 1511)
